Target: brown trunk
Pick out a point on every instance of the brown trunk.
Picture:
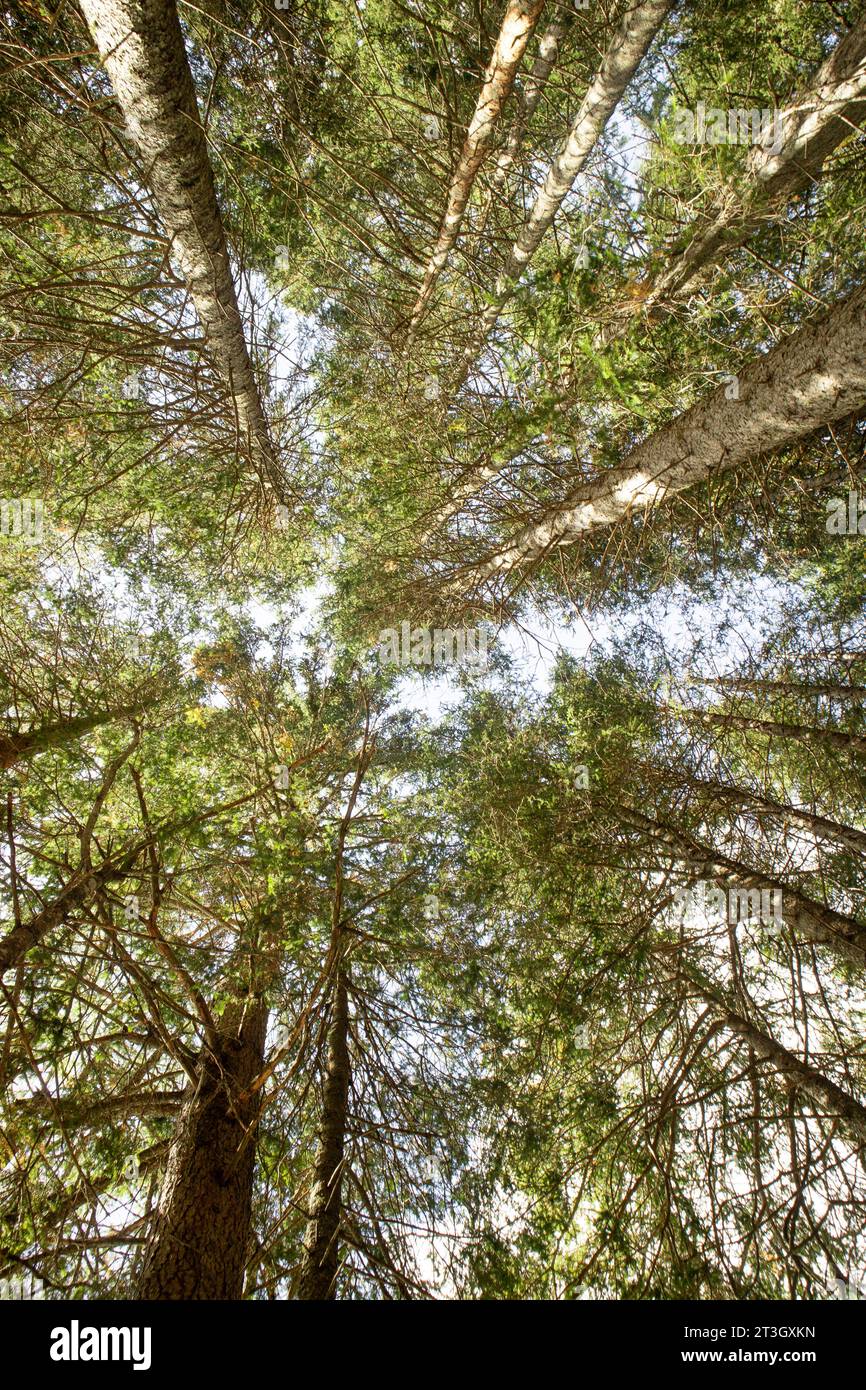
(635, 33)
(84, 883)
(832, 1100)
(15, 748)
(545, 59)
(199, 1243)
(318, 1275)
(80, 890)
(820, 826)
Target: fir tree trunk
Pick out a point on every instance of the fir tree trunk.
(318, 1275)
(517, 26)
(199, 1244)
(141, 45)
(816, 376)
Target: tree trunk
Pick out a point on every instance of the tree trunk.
(832, 1100)
(142, 48)
(820, 826)
(799, 733)
(545, 60)
(81, 888)
(635, 33)
(16, 748)
(814, 377)
(807, 919)
(517, 26)
(318, 1275)
(85, 882)
(850, 694)
(199, 1243)
(811, 128)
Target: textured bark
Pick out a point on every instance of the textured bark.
(807, 919)
(80, 890)
(16, 748)
(542, 67)
(517, 26)
(826, 1094)
(819, 826)
(812, 127)
(318, 1275)
(635, 33)
(815, 376)
(199, 1242)
(141, 46)
(799, 733)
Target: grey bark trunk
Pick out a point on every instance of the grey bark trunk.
(142, 48)
(545, 61)
(633, 37)
(826, 1094)
(850, 694)
(811, 128)
(798, 733)
(816, 376)
(819, 826)
(807, 919)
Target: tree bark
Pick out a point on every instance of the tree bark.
(812, 127)
(81, 888)
(799, 733)
(199, 1243)
(545, 61)
(816, 376)
(807, 919)
(633, 36)
(850, 694)
(517, 26)
(801, 1075)
(85, 882)
(847, 835)
(142, 48)
(16, 748)
(318, 1275)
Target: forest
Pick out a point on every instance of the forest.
(433, 650)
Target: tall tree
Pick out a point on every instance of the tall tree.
(142, 47)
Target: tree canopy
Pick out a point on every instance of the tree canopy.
(433, 649)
